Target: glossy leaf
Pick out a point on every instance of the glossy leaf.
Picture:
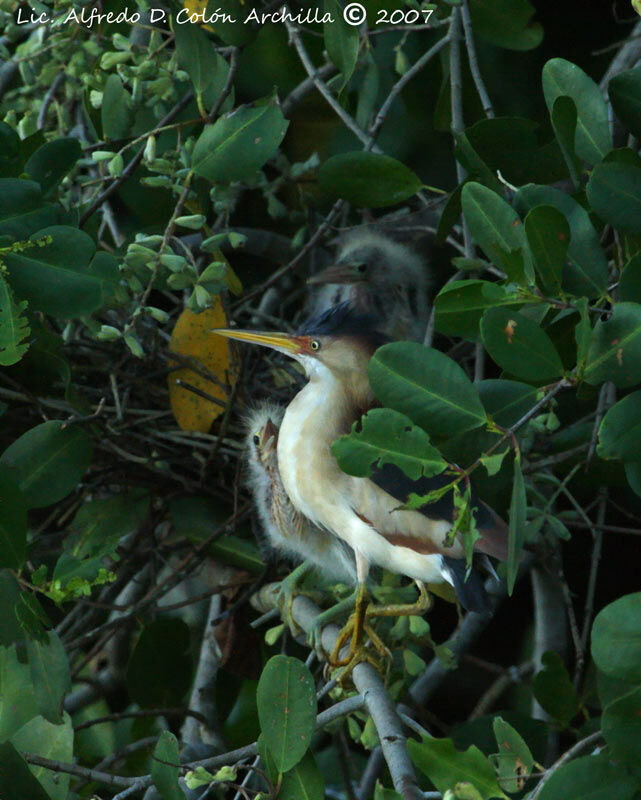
(427, 386)
(498, 231)
(99, 525)
(620, 430)
(554, 690)
(341, 41)
(116, 112)
(445, 766)
(517, 517)
(239, 144)
(548, 234)
(625, 95)
(616, 638)
(368, 180)
(51, 162)
(520, 346)
(586, 274)
(621, 726)
(23, 210)
(507, 401)
(14, 327)
(286, 700)
(514, 760)
(506, 23)
(17, 782)
(630, 280)
(162, 648)
(13, 522)
(593, 777)
(459, 306)
(614, 192)
(62, 278)
(562, 78)
(196, 54)
(192, 338)
(387, 437)
(564, 121)
(50, 675)
(303, 781)
(48, 461)
(48, 741)
(615, 349)
(165, 767)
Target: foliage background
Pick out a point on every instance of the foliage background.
(126, 544)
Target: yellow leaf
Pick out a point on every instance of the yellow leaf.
(192, 338)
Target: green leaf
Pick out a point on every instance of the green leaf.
(162, 650)
(517, 516)
(10, 629)
(116, 113)
(427, 386)
(48, 461)
(554, 690)
(582, 334)
(368, 180)
(564, 120)
(286, 701)
(99, 525)
(625, 95)
(614, 192)
(48, 741)
(17, 701)
(616, 638)
(14, 328)
(506, 23)
(621, 726)
(586, 274)
(514, 760)
(387, 437)
(593, 777)
(165, 767)
(17, 782)
(507, 401)
(633, 476)
(459, 306)
(196, 54)
(60, 278)
(13, 522)
(445, 766)
(303, 782)
(50, 675)
(562, 78)
(341, 41)
(23, 210)
(520, 346)
(615, 349)
(498, 231)
(238, 145)
(548, 234)
(620, 431)
(51, 162)
(630, 281)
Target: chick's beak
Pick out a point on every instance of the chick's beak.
(337, 273)
(282, 342)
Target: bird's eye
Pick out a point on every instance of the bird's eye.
(362, 268)
(314, 344)
(256, 439)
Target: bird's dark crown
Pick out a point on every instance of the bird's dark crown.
(344, 320)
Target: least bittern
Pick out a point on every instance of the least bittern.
(335, 350)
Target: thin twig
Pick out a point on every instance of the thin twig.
(233, 69)
(574, 751)
(473, 60)
(48, 99)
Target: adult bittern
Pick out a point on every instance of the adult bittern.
(377, 276)
(363, 512)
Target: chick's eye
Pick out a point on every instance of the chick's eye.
(362, 268)
(256, 439)
(314, 344)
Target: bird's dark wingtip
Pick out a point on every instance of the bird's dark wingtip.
(471, 591)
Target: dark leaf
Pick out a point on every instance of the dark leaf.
(116, 112)
(459, 306)
(621, 726)
(593, 777)
(548, 235)
(368, 180)
(625, 95)
(614, 192)
(616, 638)
(50, 675)
(615, 349)
(51, 162)
(517, 516)
(165, 767)
(16, 780)
(13, 522)
(554, 690)
(304, 781)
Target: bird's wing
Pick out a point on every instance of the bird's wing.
(493, 530)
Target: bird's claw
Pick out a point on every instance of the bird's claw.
(359, 651)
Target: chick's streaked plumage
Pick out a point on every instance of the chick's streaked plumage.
(377, 276)
(289, 533)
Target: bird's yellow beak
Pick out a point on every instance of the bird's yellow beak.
(338, 273)
(283, 342)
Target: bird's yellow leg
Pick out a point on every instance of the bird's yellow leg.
(420, 607)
